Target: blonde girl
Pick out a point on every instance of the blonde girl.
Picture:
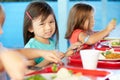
(80, 25)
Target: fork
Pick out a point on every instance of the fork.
(77, 49)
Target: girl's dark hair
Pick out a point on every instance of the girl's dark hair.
(2, 14)
(33, 10)
(78, 15)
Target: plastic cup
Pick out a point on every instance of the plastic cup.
(89, 58)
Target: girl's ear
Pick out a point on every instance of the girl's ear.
(30, 29)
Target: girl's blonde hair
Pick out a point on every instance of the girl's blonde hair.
(79, 13)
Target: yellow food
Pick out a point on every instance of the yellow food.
(112, 56)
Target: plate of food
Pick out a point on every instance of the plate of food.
(115, 43)
(62, 74)
(111, 43)
(104, 45)
(109, 55)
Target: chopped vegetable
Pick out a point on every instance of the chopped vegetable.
(106, 53)
(115, 43)
(54, 68)
(53, 77)
(36, 77)
(70, 71)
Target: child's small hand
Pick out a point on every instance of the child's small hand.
(51, 56)
(111, 25)
(76, 46)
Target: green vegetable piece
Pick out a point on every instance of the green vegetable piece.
(70, 71)
(103, 53)
(114, 43)
(36, 77)
(54, 68)
(118, 43)
(53, 77)
(108, 52)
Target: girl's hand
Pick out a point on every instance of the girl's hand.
(59, 54)
(111, 25)
(74, 47)
(51, 56)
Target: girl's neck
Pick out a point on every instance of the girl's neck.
(43, 40)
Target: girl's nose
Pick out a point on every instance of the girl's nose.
(48, 26)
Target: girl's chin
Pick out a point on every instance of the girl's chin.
(48, 36)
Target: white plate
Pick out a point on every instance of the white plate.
(111, 38)
(109, 42)
(109, 59)
(101, 57)
(48, 76)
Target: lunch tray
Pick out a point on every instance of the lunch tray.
(86, 72)
(75, 60)
(98, 46)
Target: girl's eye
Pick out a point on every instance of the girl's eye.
(41, 24)
(52, 21)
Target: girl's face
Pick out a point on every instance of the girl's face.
(90, 22)
(45, 29)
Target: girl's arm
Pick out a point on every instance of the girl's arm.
(94, 38)
(35, 53)
(13, 63)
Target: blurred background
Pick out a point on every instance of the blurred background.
(105, 10)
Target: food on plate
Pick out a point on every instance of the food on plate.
(36, 77)
(115, 42)
(110, 55)
(65, 74)
(112, 43)
(62, 74)
(54, 68)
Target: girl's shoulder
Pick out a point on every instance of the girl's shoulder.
(77, 30)
(75, 35)
(30, 43)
